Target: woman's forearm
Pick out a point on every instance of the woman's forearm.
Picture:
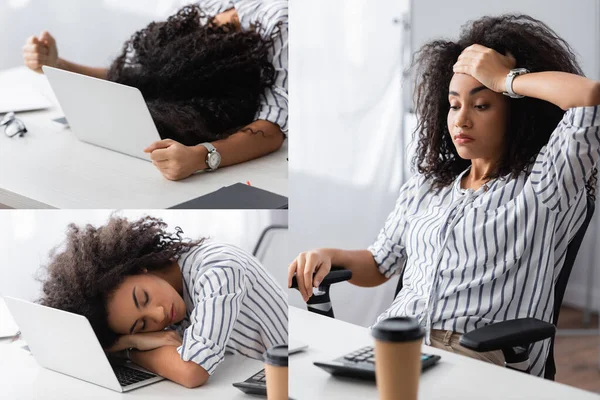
(94, 72)
(122, 343)
(262, 137)
(560, 88)
(361, 263)
(166, 362)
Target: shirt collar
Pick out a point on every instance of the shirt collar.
(486, 187)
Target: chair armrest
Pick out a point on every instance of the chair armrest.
(507, 334)
(335, 275)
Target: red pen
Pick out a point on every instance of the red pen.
(248, 183)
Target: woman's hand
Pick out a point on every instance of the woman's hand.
(40, 51)
(317, 262)
(175, 160)
(486, 65)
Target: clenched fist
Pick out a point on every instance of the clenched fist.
(40, 51)
(175, 160)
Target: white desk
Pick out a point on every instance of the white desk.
(50, 168)
(455, 377)
(22, 378)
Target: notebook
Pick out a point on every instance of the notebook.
(238, 196)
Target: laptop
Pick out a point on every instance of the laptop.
(104, 113)
(360, 364)
(65, 342)
(257, 383)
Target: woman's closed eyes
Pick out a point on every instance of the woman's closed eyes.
(137, 305)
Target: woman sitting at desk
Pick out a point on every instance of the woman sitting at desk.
(172, 306)
(482, 229)
(214, 76)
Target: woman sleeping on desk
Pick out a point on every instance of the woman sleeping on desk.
(171, 305)
(501, 188)
(214, 76)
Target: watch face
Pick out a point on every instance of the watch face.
(519, 71)
(214, 159)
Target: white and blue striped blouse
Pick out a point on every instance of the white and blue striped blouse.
(478, 257)
(232, 304)
(272, 15)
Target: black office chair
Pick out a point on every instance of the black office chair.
(513, 337)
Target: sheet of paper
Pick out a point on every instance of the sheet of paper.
(21, 97)
(8, 327)
(295, 345)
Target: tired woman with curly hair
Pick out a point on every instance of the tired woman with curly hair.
(504, 173)
(214, 77)
(173, 306)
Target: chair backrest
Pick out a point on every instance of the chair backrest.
(561, 283)
(273, 252)
(261, 244)
(563, 278)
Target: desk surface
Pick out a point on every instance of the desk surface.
(455, 377)
(22, 378)
(50, 168)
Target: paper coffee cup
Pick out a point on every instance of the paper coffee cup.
(276, 372)
(398, 358)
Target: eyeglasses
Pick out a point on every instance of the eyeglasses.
(12, 125)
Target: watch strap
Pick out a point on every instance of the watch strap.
(510, 77)
(209, 147)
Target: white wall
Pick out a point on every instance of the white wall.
(575, 21)
(578, 22)
(27, 236)
(90, 32)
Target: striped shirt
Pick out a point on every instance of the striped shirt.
(232, 303)
(472, 258)
(272, 15)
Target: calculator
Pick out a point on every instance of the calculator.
(360, 364)
(256, 384)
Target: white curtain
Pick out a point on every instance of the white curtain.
(346, 153)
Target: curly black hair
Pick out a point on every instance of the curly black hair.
(536, 47)
(91, 264)
(201, 81)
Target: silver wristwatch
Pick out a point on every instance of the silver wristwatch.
(510, 77)
(213, 158)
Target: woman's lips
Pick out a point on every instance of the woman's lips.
(462, 139)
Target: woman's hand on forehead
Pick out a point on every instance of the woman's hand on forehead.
(486, 65)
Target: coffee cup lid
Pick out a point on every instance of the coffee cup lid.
(398, 329)
(277, 355)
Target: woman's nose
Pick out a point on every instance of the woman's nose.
(158, 314)
(462, 119)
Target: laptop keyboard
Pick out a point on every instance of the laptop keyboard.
(128, 376)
